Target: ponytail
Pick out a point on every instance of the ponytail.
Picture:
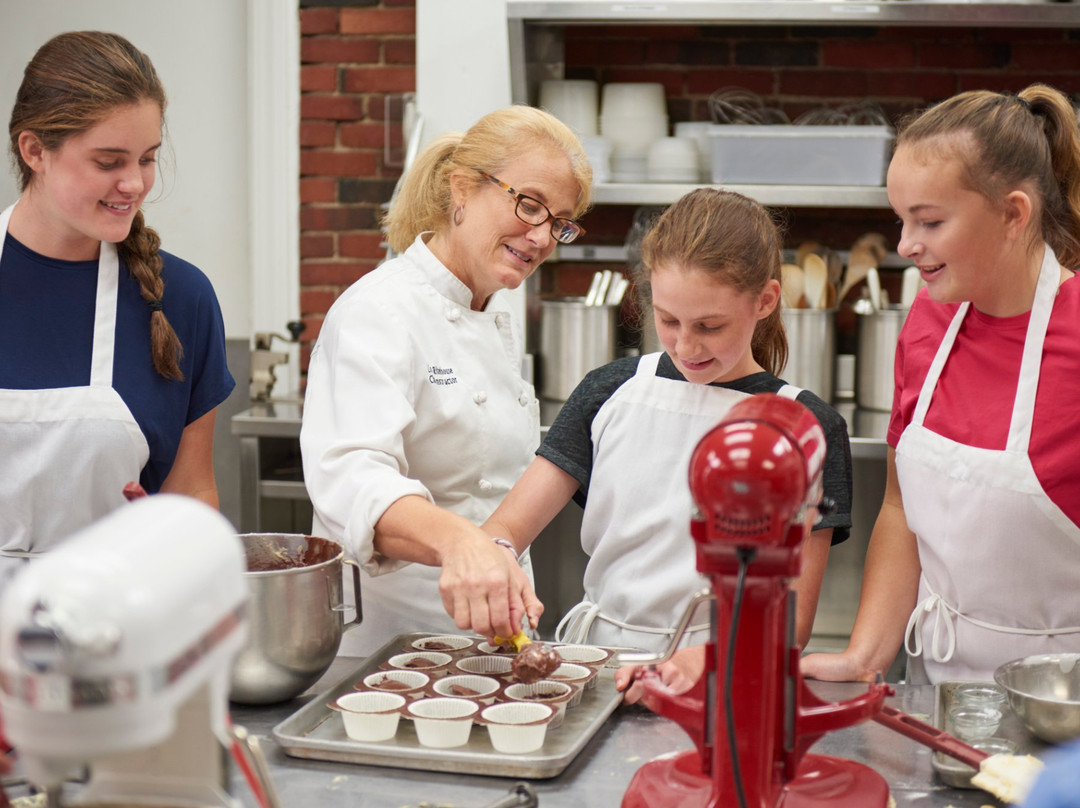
(140, 252)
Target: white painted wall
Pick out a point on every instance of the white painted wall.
(201, 203)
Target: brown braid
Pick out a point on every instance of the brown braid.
(140, 253)
(74, 81)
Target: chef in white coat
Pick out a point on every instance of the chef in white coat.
(112, 352)
(975, 556)
(417, 420)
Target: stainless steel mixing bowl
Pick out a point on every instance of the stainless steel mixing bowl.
(295, 614)
(1044, 691)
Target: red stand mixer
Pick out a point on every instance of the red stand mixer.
(756, 481)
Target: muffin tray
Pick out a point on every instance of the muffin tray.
(954, 773)
(316, 731)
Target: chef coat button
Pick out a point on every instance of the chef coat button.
(480, 397)
(524, 399)
(485, 485)
(501, 318)
(453, 314)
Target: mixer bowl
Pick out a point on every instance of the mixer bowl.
(295, 614)
(1044, 691)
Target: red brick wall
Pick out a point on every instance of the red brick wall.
(353, 54)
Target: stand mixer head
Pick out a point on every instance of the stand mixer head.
(756, 482)
(115, 653)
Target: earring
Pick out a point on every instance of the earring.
(459, 214)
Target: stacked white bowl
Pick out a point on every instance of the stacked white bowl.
(573, 102)
(673, 159)
(698, 131)
(633, 115)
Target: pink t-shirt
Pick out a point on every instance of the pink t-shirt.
(973, 401)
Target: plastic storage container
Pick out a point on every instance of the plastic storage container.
(800, 155)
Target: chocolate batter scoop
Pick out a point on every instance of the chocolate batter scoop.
(534, 661)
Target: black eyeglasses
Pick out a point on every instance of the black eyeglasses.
(534, 212)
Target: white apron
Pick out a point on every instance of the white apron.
(642, 568)
(999, 558)
(66, 452)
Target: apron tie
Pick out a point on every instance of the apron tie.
(942, 624)
(945, 615)
(578, 622)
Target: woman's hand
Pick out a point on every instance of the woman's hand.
(484, 588)
(679, 674)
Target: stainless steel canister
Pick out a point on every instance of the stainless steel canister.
(811, 335)
(574, 339)
(295, 613)
(878, 331)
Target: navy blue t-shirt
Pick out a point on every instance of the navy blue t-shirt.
(46, 340)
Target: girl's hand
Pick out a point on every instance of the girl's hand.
(679, 674)
(844, 667)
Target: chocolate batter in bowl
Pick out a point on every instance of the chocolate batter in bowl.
(295, 614)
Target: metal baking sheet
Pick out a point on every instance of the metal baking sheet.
(315, 731)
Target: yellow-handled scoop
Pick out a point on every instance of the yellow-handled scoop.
(534, 661)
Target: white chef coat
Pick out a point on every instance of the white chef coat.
(642, 569)
(66, 452)
(411, 392)
(999, 558)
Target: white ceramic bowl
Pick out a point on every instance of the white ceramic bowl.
(517, 727)
(370, 715)
(632, 99)
(483, 689)
(486, 664)
(572, 101)
(672, 159)
(442, 723)
(409, 684)
(633, 136)
(698, 131)
(546, 691)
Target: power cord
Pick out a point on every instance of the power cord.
(745, 556)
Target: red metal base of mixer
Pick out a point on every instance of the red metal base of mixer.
(820, 782)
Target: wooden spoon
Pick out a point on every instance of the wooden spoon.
(817, 278)
(861, 259)
(792, 285)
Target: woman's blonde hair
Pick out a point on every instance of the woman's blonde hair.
(74, 82)
(1008, 141)
(734, 240)
(424, 199)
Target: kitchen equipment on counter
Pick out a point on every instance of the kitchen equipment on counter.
(755, 479)
(264, 359)
(877, 332)
(811, 361)
(572, 101)
(296, 615)
(574, 338)
(1044, 691)
(115, 650)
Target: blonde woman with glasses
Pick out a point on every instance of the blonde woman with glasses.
(417, 420)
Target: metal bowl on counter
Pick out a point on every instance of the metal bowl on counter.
(295, 613)
(1044, 691)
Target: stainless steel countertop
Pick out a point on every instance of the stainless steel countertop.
(599, 776)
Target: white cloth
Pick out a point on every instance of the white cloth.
(66, 452)
(411, 392)
(999, 558)
(642, 569)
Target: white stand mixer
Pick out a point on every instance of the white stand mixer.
(115, 653)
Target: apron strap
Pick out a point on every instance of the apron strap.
(789, 391)
(101, 366)
(938, 364)
(578, 622)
